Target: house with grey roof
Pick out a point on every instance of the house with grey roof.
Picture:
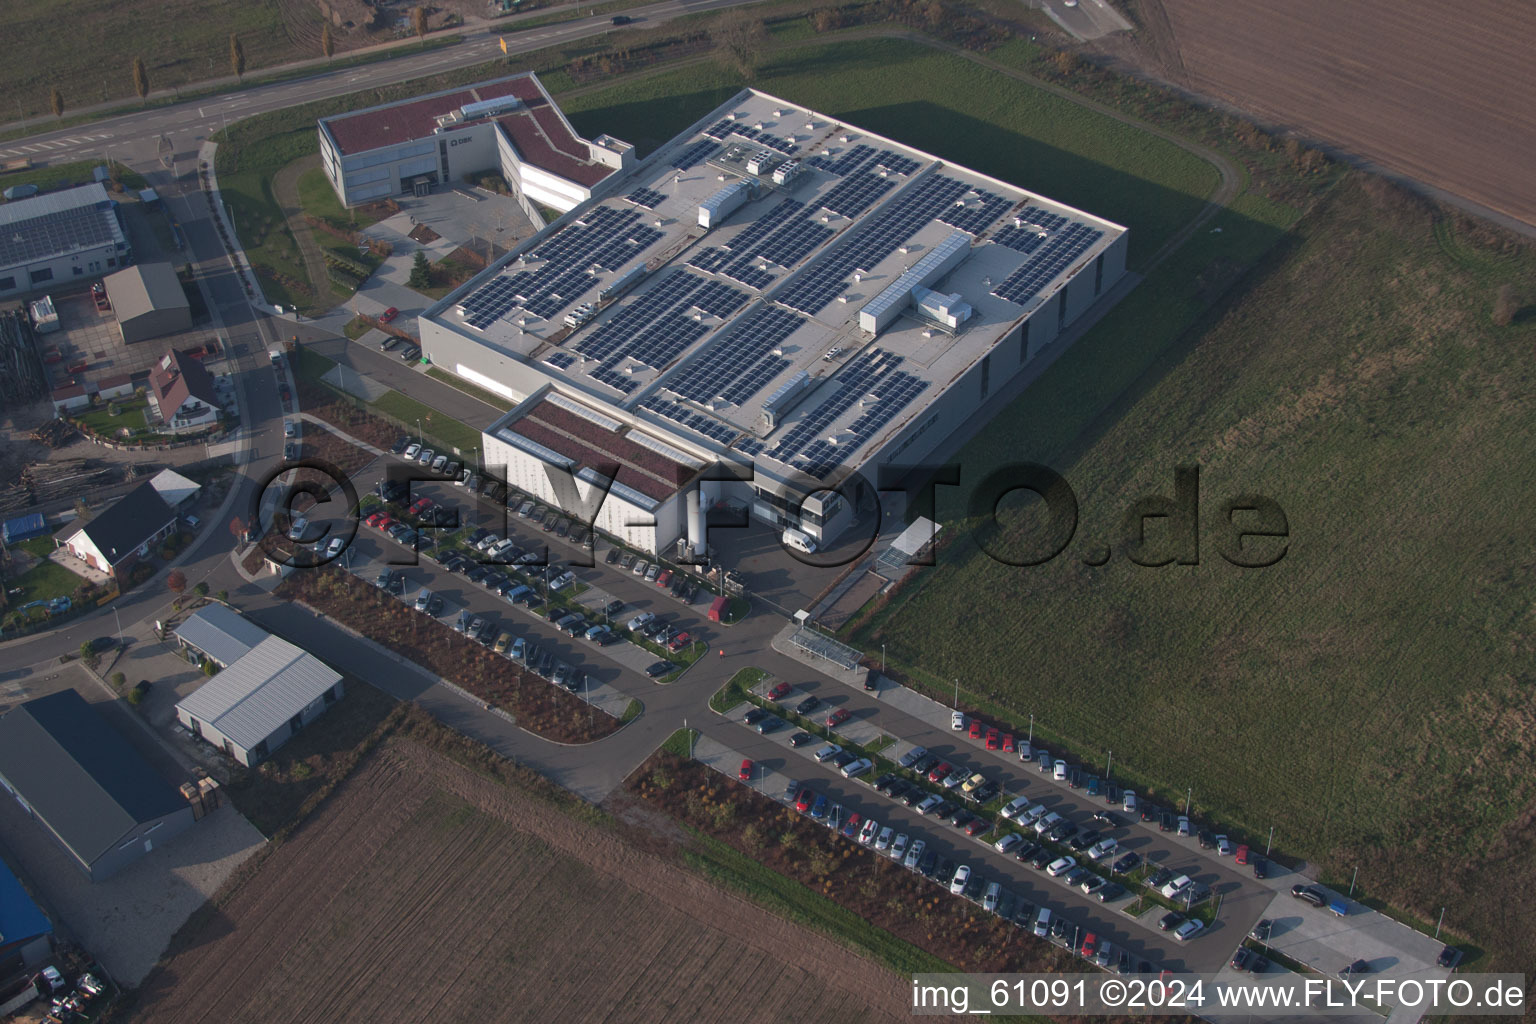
(219, 634)
(261, 700)
(83, 782)
(59, 239)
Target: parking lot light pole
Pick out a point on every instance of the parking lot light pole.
(1108, 764)
(1031, 730)
(1271, 842)
(882, 659)
(1189, 802)
(1440, 922)
(1352, 880)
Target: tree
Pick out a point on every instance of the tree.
(419, 21)
(1505, 305)
(56, 102)
(327, 44)
(236, 56)
(177, 581)
(140, 77)
(237, 528)
(88, 653)
(739, 43)
(421, 271)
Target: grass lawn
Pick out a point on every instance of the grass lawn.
(43, 581)
(42, 547)
(947, 106)
(131, 415)
(490, 398)
(81, 172)
(317, 196)
(1344, 694)
(434, 424)
(246, 167)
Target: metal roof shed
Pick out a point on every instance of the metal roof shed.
(221, 635)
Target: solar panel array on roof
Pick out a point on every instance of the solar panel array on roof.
(605, 238)
(695, 154)
(54, 231)
(844, 163)
(685, 417)
(560, 360)
(873, 380)
(646, 197)
(750, 446)
(741, 363)
(892, 226)
(1045, 265)
(971, 213)
(1029, 229)
(725, 126)
(856, 193)
(657, 327)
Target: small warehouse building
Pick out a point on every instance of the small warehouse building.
(84, 783)
(60, 237)
(149, 301)
(218, 634)
(25, 931)
(261, 700)
(124, 532)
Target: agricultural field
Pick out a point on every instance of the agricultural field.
(422, 890)
(1445, 95)
(948, 106)
(1371, 682)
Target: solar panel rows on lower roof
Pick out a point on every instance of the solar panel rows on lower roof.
(695, 154)
(750, 446)
(873, 377)
(763, 226)
(725, 126)
(560, 360)
(856, 193)
(1047, 263)
(741, 363)
(972, 213)
(1025, 240)
(876, 240)
(843, 163)
(646, 197)
(696, 422)
(649, 305)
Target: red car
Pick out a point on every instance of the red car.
(678, 642)
(780, 691)
(977, 827)
(993, 740)
(976, 728)
(803, 800)
(1008, 744)
(1242, 854)
(420, 505)
(386, 523)
(745, 775)
(388, 315)
(1090, 944)
(373, 520)
(942, 769)
(838, 717)
(664, 578)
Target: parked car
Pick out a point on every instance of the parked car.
(800, 739)
(857, 768)
(828, 752)
(1308, 894)
(912, 756)
(958, 882)
(838, 717)
(388, 316)
(1060, 866)
(957, 720)
(1189, 929)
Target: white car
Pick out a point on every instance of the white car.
(1184, 829)
(1032, 815)
(296, 531)
(1014, 808)
(1104, 848)
(989, 901)
(883, 840)
(423, 600)
(1048, 822)
(411, 451)
(1189, 929)
(853, 769)
(928, 803)
(1008, 842)
(898, 848)
(962, 875)
(1061, 771)
(643, 619)
(1128, 802)
(914, 854)
(1224, 847)
(957, 720)
(336, 545)
(867, 833)
(828, 752)
(1060, 866)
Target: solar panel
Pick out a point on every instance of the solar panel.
(694, 421)
(1046, 262)
(695, 154)
(856, 193)
(720, 129)
(972, 213)
(646, 197)
(560, 360)
(741, 363)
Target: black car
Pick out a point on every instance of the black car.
(800, 739)
(1063, 832)
(1060, 926)
(479, 534)
(290, 452)
(1106, 819)
(1024, 914)
(808, 705)
(613, 607)
(986, 791)
(844, 759)
(770, 724)
(1260, 867)
(1149, 812)
(1027, 852)
(435, 605)
(1159, 877)
(1207, 839)
(945, 871)
(1450, 956)
(1262, 930)
(1166, 822)
(898, 789)
(754, 716)
(885, 781)
(1242, 959)
(399, 445)
(915, 797)
(962, 819)
(1043, 857)
(1358, 967)
(612, 556)
(1127, 863)
(661, 668)
(578, 627)
(1126, 963)
(929, 864)
(1083, 840)
(1169, 921)
(1310, 895)
(692, 592)
(1258, 965)
(554, 614)
(945, 810)
(478, 573)
(1112, 891)
(871, 679)
(396, 584)
(925, 764)
(383, 579)
(1075, 876)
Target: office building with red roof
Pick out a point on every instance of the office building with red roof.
(510, 126)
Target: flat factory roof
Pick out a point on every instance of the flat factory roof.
(56, 224)
(698, 330)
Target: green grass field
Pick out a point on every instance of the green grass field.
(950, 107)
(1367, 695)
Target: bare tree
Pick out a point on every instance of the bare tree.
(739, 43)
(140, 77)
(419, 21)
(236, 56)
(327, 44)
(56, 102)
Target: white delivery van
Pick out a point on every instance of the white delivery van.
(799, 541)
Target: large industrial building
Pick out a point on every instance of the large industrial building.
(773, 296)
(59, 238)
(509, 125)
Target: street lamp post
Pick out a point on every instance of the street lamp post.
(1031, 731)
(119, 624)
(957, 694)
(1189, 798)
(1271, 842)
(1108, 765)
(1352, 879)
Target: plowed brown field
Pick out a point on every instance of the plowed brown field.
(422, 892)
(1443, 93)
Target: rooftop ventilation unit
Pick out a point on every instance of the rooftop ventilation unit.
(486, 108)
